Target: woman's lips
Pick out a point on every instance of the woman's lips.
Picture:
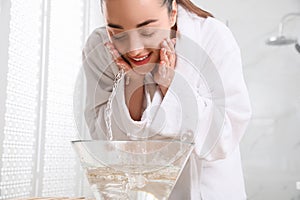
(141, 60)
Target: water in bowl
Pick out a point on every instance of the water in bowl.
(138, 170)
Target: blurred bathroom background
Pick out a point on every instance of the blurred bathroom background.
(271, 145)
(40, 56)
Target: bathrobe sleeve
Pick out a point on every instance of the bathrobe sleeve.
(233, 104)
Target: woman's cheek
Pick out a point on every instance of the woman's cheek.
(121, 47)
(158, 37)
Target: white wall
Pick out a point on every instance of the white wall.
(271, 146)
(95, 17)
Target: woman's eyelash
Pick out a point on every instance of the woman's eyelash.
(118, 37)
(147, 33)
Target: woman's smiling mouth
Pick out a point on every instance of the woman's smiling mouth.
(141, 60)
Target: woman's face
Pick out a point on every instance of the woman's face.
(137, 27)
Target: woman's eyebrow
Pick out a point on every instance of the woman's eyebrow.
(115, 26)
(146, 22)
(149, 21)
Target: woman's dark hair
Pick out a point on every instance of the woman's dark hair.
(187, 4)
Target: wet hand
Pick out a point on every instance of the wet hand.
(121, 63)
(164, 73)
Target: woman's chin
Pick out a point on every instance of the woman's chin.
(144, 69)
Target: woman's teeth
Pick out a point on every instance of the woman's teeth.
(140, 59)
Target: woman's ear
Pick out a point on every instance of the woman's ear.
(173, 14)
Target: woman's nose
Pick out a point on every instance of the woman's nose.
(135, 53)
(135, 44)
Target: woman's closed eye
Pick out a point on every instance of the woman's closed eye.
(147, 32)
(143, 32)
(119, 36)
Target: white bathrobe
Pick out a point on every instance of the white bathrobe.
(207, 98)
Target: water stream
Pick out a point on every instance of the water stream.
(108, 110)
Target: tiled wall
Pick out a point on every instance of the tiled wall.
(271, 146)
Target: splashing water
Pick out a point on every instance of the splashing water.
(108, 109)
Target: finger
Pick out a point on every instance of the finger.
(109, 47)
(164, 75)
(171, 54)
(170, 45)
(171, 59)
(166, 45)
(162, 70)
(163, 55)
(113, 51)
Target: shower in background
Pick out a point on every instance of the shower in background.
(281, 39)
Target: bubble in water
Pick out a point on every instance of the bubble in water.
(144, 151)
(136, 181)
(140, 181)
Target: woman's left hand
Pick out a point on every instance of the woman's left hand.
(164, 73)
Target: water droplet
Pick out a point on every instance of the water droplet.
(188, 136)
(144, 151)
(140, 181)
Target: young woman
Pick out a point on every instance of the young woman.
(183, 76)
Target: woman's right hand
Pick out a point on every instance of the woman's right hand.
(164, 74)
(121, 63)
